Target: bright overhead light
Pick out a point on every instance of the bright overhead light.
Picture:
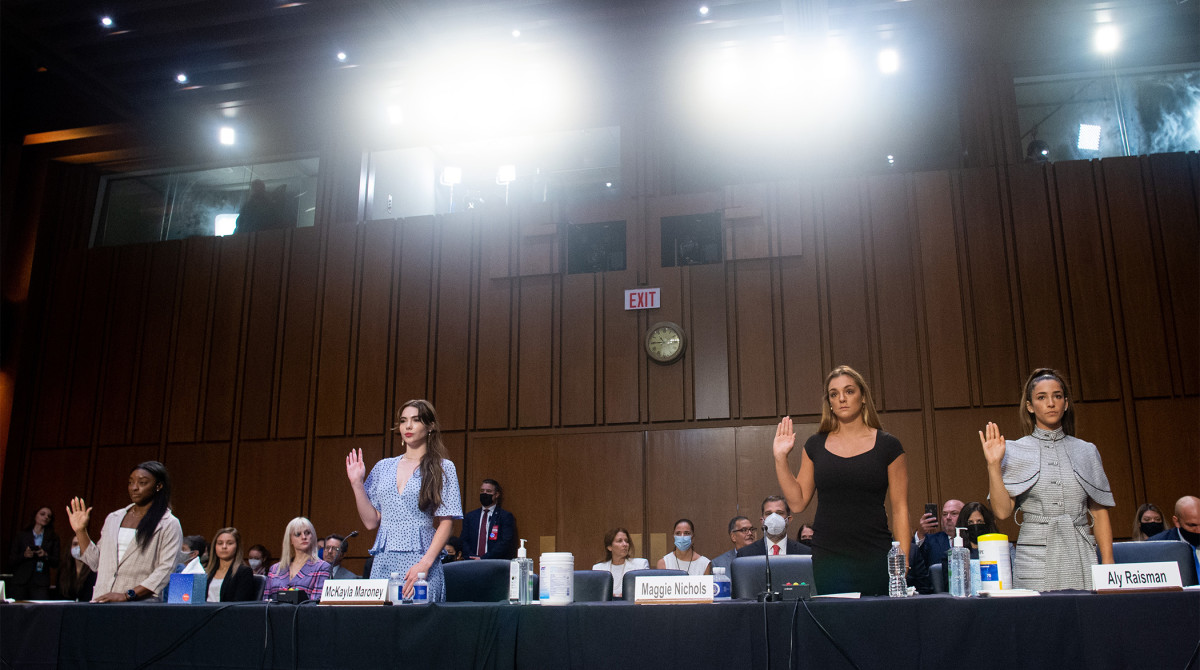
(224, 224)
(451, 175)
(106, 21)
(889, 61)
(1107, 38)
(227, 136)
(341, 55)
(506, 174)
(516, 33)
(395, 115)
(703, 10)
(891, 159)
(181, 78)
(1089, 137)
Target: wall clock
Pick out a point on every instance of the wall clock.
(665, 341)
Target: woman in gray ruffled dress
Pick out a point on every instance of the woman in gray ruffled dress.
(1057, 482)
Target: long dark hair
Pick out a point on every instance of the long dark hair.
(236, 562)
(611, 536)
(989, 520)
(1040, 375)
(160, 504)
(432, 473)
(48, 529)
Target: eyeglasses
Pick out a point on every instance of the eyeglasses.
(744, 530)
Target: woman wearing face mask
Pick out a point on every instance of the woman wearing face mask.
(855, 465)
(685, 556)
(139, 542)
(34, 552)
(259, 559)
(618, 546)
(229, 578)
(1147, 522)
(412, 499)
(298, 567)
(1057, 482)
(190, 561)
(76, 580)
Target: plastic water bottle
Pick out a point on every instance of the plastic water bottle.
(722, 586)
(958, 567)
(897, 588)
(395, 585)
(421, 590)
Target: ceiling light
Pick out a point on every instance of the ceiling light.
(227, 136)
(516, 33)
(106, 21)
(1107, 38)
(703, 10)
(889, 61)
(224, 224)
(506, 174)
(1089, 137)
(181, 78)
(451, 175)
(341, 55)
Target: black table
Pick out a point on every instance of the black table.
(1061, 630)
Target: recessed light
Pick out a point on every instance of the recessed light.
(106, 21)
(181, 78)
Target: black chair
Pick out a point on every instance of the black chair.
(1164, 550)
(593, 586)
(749, 574)
(937, 574)
(627, 582)
(481, 581)
(260, 585)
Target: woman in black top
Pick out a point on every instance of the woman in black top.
(76, 580)
(855, 465)
(236, 579)
(34, 552)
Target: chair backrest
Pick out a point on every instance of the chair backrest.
(260, 585)
(593, 586)
(749, 574)
(482, 581)
(630, 578)
(1164, 550)
(937, 574)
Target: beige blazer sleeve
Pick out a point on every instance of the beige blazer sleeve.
(149, 567)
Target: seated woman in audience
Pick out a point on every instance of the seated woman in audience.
(75, 579)
(138, 543)
(190, 560)
(34, 552)
(618, 545)
(453, 550)
(1057, 482)
(259, 558)
(229, 578)
(1148, 522)
(685, 557)
(978, 520)
(298, 567)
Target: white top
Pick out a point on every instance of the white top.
(193, 567)
(782, 547)
(618, 571)
(694, 567)
(125, 537)
(214, 590)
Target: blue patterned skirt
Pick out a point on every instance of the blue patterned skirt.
(387, 562)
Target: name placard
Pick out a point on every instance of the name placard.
(354, 592)
(674, 589)
(1136, 576)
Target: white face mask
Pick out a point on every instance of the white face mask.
(254, 563)
(775, 524)
(183, 557)
(75, 552)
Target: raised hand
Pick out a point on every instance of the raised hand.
(356, 470)
(79, 514)
(785, 438)
(993, 444)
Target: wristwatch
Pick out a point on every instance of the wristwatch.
(131, 595)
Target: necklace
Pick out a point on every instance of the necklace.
(688, 569)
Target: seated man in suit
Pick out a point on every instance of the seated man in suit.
(1187, 526)
(336, 547)
(932, 542)
(741, 533)
(490, 531)
(776, 514)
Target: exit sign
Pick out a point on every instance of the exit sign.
(642, 298)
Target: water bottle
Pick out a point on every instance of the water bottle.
(722, 586)
(395, 586)
(958, 567)
(897, 588)
(421, 590)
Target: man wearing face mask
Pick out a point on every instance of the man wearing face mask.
(490, 531)
(776, 514)
(1187, 526)
(188, 559)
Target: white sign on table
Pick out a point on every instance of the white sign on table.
(674, 589)
(1136, 576)
(354, 592)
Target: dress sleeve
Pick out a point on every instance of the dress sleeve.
(812, 444)
(451, 498)
(892, 449)
(371, 484)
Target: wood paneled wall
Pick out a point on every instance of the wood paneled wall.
(252, 364)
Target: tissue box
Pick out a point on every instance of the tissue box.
(187, 589)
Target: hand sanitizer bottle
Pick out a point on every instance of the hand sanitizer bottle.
(958, 567)
(520, 578)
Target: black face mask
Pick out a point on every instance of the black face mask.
(485, 499)
(1190, 537)
(1150, 528)
(974, 530)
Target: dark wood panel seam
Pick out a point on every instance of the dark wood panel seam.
(1058, 235)
(1166, 299)
(970, 339)
(280, 330)
(356, 297)
(135, 374)
(1008, 227)
(929, 448)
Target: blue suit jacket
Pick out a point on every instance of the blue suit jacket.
(759, 548)
(502, 523)
(932, 551)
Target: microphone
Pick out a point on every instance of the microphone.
(773, 525)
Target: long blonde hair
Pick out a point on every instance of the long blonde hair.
(285, 556)
(432, 472)
(870, 417)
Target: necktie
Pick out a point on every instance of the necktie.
(775, 550)
(482, 544)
